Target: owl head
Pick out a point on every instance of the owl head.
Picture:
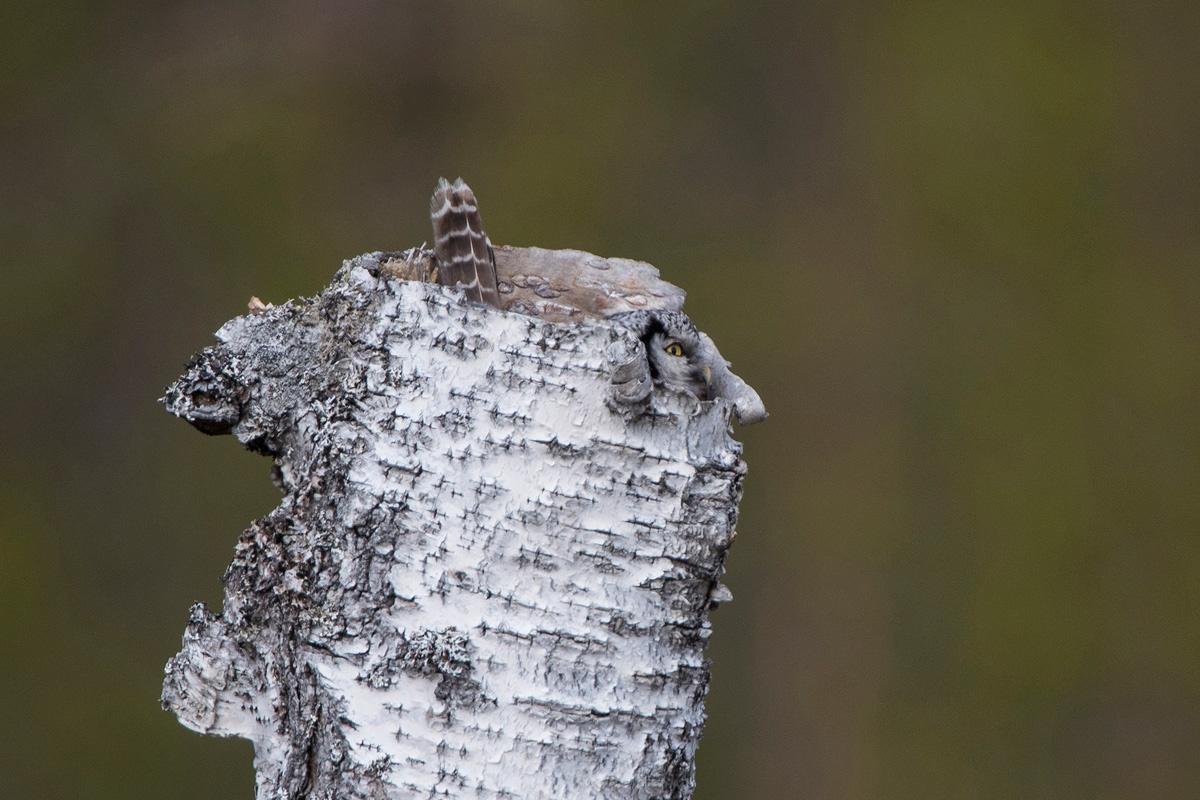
(672, 348)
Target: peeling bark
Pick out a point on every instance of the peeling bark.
(491, 570)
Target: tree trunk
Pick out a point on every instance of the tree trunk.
(491, 570)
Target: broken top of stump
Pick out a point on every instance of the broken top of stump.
(558, 285)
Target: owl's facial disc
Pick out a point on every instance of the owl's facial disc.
(676, 362)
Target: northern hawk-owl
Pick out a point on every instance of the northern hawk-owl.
(465, 259)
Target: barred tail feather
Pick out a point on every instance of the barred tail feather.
(464, 254)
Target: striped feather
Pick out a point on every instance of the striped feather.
(464, 254)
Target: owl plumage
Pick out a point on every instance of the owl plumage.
(674, 350)
(464, 253)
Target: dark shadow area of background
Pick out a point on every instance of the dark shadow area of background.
(956, 247)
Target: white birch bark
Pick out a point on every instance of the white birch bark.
(491, 571)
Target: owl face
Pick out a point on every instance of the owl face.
(672, 348)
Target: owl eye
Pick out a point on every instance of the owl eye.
(674, 349)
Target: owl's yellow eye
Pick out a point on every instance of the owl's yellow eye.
(674, 349)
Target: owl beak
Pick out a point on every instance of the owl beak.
(707, 376)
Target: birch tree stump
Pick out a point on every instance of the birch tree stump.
(492, 567)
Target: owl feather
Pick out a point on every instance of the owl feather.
(464, 254)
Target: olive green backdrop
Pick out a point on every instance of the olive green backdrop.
(956, 247)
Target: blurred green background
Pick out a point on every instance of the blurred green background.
(955, 246)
